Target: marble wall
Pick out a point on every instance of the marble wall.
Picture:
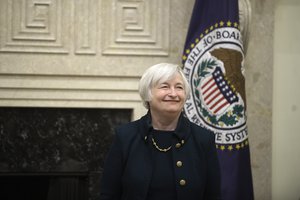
(56, 142)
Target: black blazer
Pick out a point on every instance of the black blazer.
(128, 167)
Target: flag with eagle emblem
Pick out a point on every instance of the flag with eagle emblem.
(213, 64)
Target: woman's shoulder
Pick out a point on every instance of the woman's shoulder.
(130, 128)
(201, 132)
(134, 129)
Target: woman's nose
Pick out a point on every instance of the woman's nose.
(172, 92)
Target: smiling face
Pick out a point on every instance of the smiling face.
(168, 97)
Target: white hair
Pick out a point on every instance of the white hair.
(157, 74)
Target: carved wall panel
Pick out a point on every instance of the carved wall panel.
(34, 26)
(128, 27)
(136, 27)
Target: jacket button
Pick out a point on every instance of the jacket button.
(182, 182)
(178, 145)
(179, 164)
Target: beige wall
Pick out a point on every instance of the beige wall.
(259, 88)
(286, 98)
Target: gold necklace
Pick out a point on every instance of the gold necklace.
(158, 148)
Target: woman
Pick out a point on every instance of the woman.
(162, 156)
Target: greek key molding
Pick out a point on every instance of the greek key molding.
(136, 27)
(34, 26)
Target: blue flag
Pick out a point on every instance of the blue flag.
(213, 64)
